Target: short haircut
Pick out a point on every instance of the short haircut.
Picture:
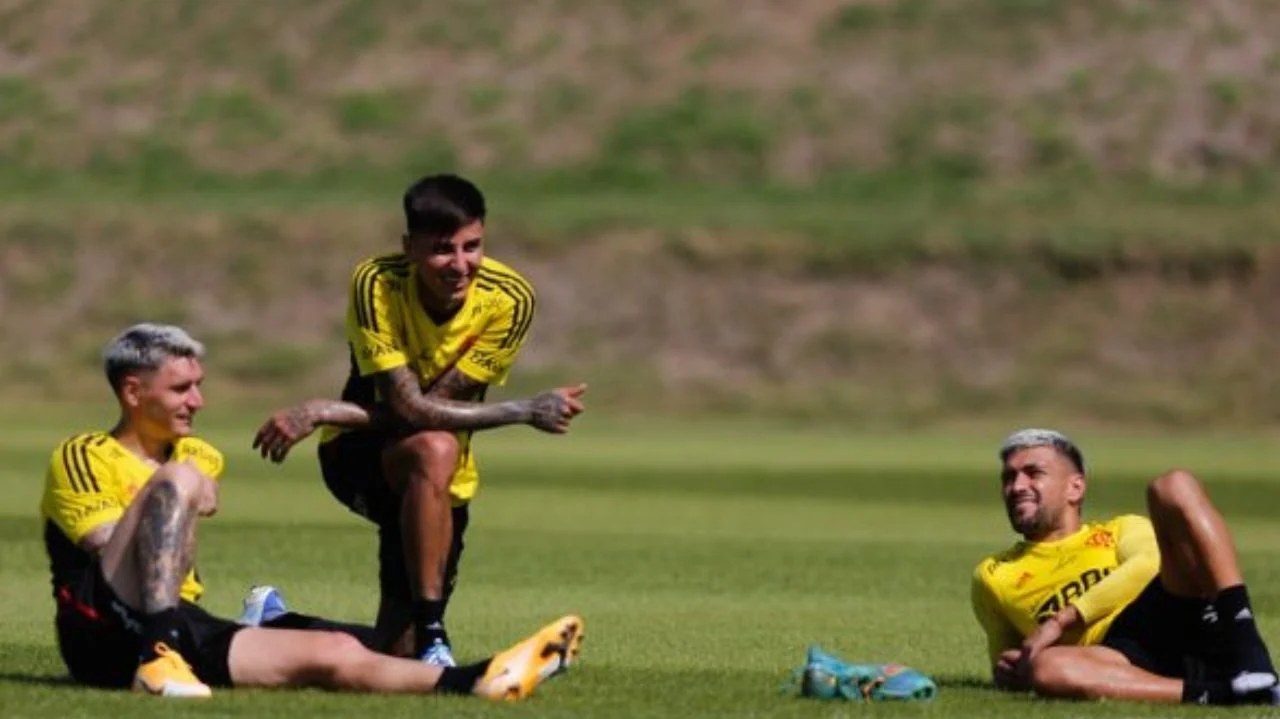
(143, 348)
(1035, 437)
(437, 206)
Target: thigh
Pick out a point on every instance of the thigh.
(259, 657)
(206, 643)
(352, 467)
(1157, 632)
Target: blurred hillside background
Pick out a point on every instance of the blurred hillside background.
(886, 211)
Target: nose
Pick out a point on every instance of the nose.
(1021, 483)
(196, 399)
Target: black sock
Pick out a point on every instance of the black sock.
(1207, 692)
(461, 680)
(159, 628)
(428, 624)
(1235, 615)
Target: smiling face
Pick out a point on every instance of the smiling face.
(446, 266)
(162, 403)
(1042, 492)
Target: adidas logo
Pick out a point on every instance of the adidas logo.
(1210, 615)
(1244, 615)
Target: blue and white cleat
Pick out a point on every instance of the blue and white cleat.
(263, 604)
(825, 676)
(439, 654)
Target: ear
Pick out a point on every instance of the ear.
(131, 388)
(1076, 487)
(404, 243)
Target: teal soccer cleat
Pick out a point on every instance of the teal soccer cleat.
(825, 676)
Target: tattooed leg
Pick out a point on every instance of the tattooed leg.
(165, 544)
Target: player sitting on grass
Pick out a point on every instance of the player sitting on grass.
(120, 510)
(1130, 608)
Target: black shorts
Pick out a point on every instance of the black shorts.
(351, 464)
(1165, 635)
(100, 637)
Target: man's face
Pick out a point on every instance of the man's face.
(1040, 488)
(165, 402)
(447, 266)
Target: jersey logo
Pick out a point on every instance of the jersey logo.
(1069, 592)
(1100, 538)
(1023, 579)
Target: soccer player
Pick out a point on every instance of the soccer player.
(1130, 608)
(120, 511)
(429, 329)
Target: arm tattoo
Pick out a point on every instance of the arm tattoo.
(165, 547)
(454, 384)
(432, 411)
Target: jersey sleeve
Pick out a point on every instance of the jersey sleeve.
(203, 455)
(494, 353)
(374, 325)
(1000, 632)
(79, 491)
(1137, 563)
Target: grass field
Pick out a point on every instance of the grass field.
(704, 557)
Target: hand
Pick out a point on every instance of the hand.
(283, 430)
(1048, 634)
(207, 501)
(1010, 672)
(552, 411)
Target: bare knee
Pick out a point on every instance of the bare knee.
(1056, 676)
(1175, 488)
(434, 457)
(333, 660)
(180, 479)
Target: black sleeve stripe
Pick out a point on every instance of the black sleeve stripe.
(518, 290)
(88, 477)
(71, 472)
(366, 283)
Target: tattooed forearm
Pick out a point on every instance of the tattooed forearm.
(453, 384)
(165, 544)
(437, 412)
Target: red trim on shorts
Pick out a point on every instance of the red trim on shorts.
(68, 600)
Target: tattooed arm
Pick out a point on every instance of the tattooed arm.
(439, 409)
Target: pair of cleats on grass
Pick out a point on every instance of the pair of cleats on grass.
(512, 675)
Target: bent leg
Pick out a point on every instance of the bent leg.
(420, 469)
(1096, 672)
(1197, 550)
(1198, 559)
(153, 545)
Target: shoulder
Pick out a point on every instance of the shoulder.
(204, 455)
(987, 568)
(389, 268)
(504, 283)
(1127, 522)
(78, 448)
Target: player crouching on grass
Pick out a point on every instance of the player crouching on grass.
(1131, 608)
(120, 510)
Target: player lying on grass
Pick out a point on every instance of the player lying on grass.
(120, 510)
(1131, 608)
(429, 329)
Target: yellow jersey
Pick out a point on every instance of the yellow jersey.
(387, 327)
(91, 480)
(1100, 570)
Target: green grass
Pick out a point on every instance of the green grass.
(704, 558)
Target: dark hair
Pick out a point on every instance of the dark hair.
(439, 205)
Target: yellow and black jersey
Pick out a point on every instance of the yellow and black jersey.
(387, 328)
(91, 480)
(1100, 569)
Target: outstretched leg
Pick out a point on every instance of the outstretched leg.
(288, 658)
(1199, 560)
